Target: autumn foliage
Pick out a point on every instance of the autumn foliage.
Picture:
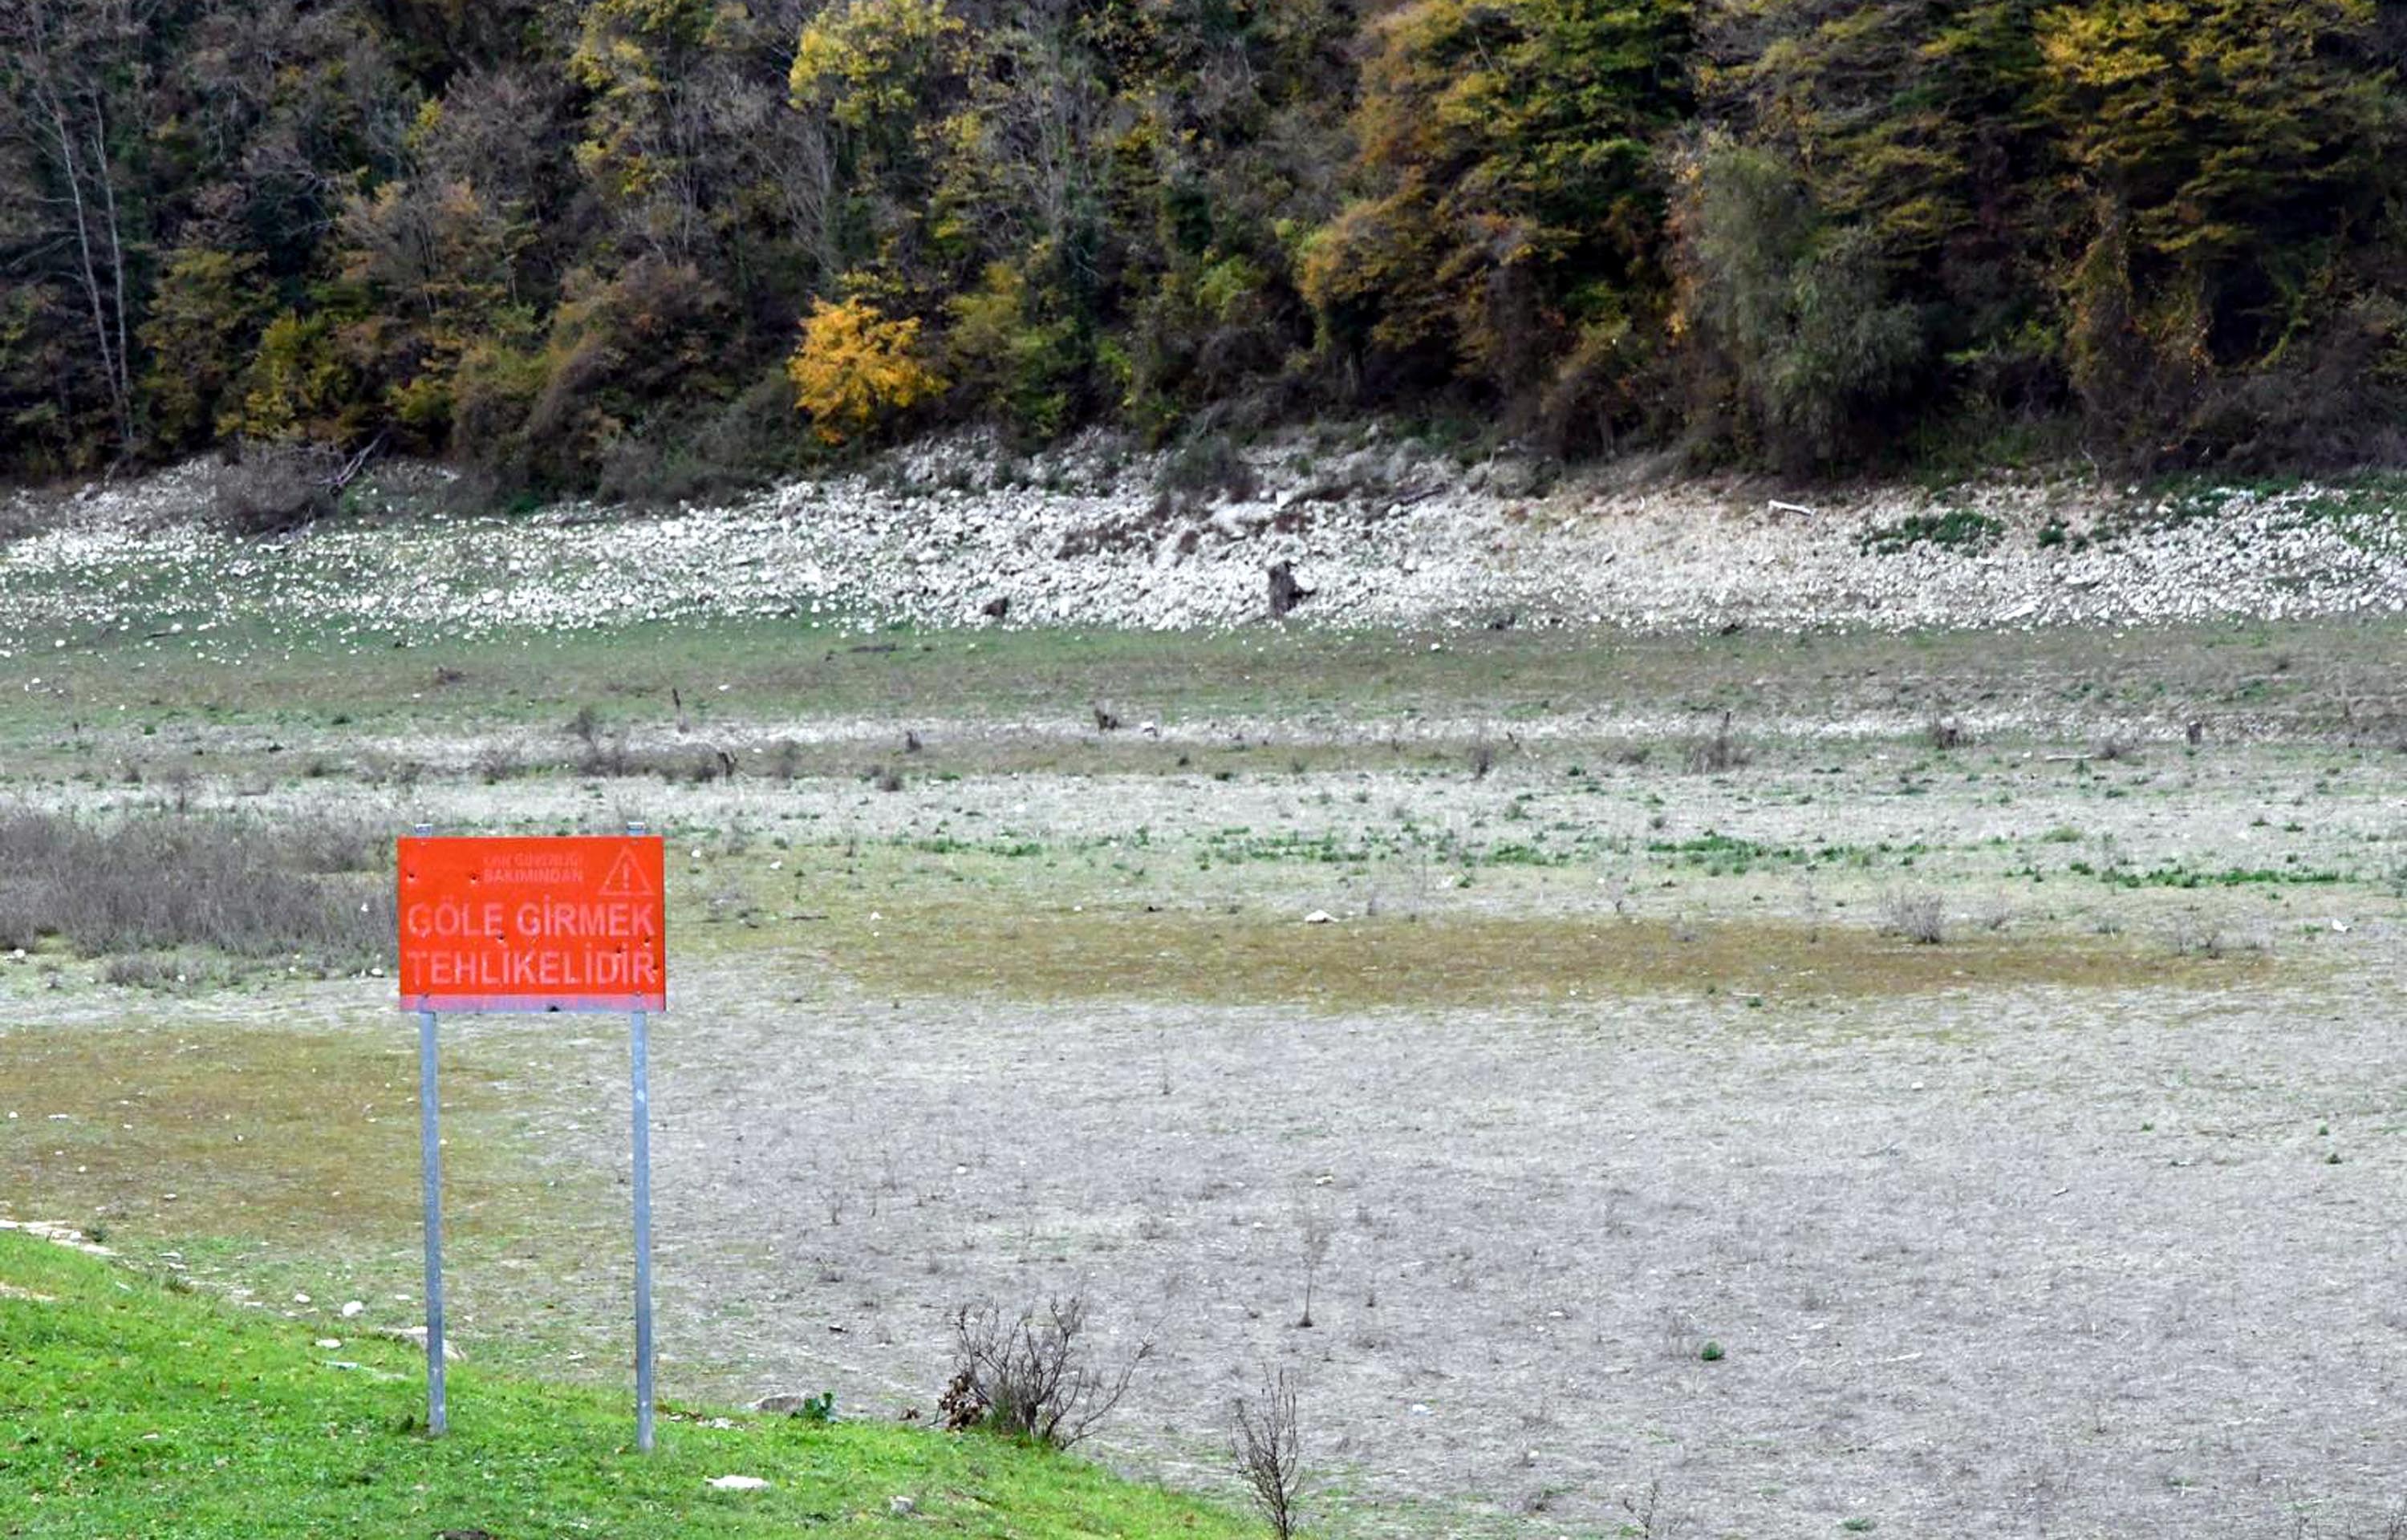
(855, 368)
(569, 242)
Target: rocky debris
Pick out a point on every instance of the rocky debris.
(417, 1336)
(57, 1234)
(1395, 535)
(787, 1403)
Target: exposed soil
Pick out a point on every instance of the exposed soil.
(2077, 1220)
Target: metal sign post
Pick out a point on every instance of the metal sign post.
(537, 925)
(642, 1235)
(641, 1071)
(430, 1167)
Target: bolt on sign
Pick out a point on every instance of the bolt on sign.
(520, 924)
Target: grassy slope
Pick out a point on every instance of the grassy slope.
(128, 1410)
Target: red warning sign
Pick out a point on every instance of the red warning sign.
(527, 923)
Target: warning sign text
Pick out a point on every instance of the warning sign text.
(521, 923)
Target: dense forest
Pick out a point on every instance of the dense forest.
(647, 246)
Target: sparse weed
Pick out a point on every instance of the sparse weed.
(155, 883)
(496, 763)
(1266, 1441)
(1027, 1377)
(1916, 914)
(1718, 752)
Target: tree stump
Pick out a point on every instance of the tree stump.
(1286, 592)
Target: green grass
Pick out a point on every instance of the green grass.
(1957, 529)
(128, 1408)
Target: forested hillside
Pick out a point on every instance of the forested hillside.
(650, 244)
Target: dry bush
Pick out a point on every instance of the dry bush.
(1027, 1377)
(1718, 752)
(607, 757)
(279, 487)
(1206, 467)
(155, 881)
(600, 752)
(170, 971)
(1266, 1439)
(22, 512)
(1917, 914)
(2191, 934)
(586, 728)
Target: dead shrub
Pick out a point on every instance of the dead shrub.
(276, 487)
(1027, 1377)
(168, 971)
(1268, 1445)
(1718, 752)
(1915, 915)
(497, 764)
(1206, 467)
(600, 753)
(2191, 934)
(158, 881)
(23, 513)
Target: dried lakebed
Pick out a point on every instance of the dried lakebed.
(2079, 1221)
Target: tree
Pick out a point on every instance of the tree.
(203, 321)
(67, 68)
(1512, 198)
(855, 367)
(879, 76)
(2229, 160)
(1884, 154)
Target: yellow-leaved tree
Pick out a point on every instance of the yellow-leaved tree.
(855, 366)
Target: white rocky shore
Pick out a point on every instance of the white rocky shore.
(1379, 533)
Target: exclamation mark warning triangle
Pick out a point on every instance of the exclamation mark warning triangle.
(626, 879)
